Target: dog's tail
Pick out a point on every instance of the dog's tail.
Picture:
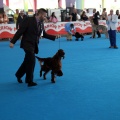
(41, 60)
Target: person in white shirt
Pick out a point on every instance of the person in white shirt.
(111, 21)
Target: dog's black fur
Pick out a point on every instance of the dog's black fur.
(52, 63)
(78, 35)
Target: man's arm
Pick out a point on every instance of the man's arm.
(51, 37)
(74, 30)
(69, 31)
(115, 19)
(20, 31)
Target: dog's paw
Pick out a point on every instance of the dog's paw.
(40, 73)
(53, 81)
(44, 77)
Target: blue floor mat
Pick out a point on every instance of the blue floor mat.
(88, 90)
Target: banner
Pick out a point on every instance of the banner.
(1, 3)
(26, 5)
(8, 30)
(1, 6)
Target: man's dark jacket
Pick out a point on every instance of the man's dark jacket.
(30, 34)
(20, 20)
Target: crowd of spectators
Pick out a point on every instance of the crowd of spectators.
(74, 16)
(84, 15)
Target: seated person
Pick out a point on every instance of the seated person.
(1, 18)
(53, 18)
(84, 17)
(74, 15)
(5, 18)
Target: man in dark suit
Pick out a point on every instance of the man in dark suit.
(20, 18)
(32, 28)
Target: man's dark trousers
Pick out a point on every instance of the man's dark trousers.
(27, 66)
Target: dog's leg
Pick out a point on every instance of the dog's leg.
(82, 37)
(77, 39)
(52, 77)
(41, 73)
(41, 69)
(44, 75)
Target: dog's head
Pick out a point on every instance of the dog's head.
(77, 35)
(59, 73)
(61, 53)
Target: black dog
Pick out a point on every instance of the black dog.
(78, 35)
(52, 63)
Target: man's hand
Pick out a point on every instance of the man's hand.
(46, 20)
(11, 45)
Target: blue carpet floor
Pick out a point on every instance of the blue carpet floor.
(88, 90)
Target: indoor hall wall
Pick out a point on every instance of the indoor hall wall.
(93, 4)
(111, 4)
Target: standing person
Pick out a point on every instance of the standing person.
(1, 18)
(69, 27)
(32, 28)
(84, 17)
(104, 28)
(74, 15)
(96, 23)
(111, 22)
(87, 12)
(118, 14)
(104, 14)
(53, 18)
(16, 15)
(20, 18)
(5, 18)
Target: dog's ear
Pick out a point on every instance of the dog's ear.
(60, 50)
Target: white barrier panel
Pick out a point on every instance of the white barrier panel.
(8, 30)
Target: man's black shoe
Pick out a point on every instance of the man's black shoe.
(115, 47)
(32, 84)
(19, 80)
(53, 81)
(26, 81)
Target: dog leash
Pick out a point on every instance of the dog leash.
(59, 40)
